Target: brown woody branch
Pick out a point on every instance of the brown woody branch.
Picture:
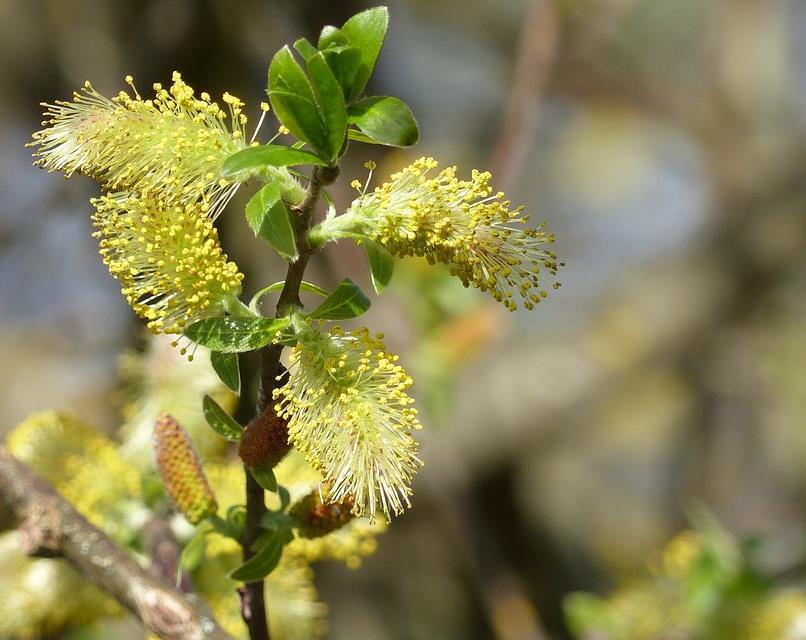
(50, 527)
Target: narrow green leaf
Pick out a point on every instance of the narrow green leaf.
(305, 48)
(193, 553)
(385, 119)
(264, 477)
(310, 287)
(235, 335)
(269, 218)
(366, 31)
(263, 562)
(285, 498)
(345, 62)
(227, 527)
(293, 100)
(285, 74)
(226, 367)
(301, 116)
(252, 159)
(220, 421)
(346, 301)
(330, 98)
(381, 264)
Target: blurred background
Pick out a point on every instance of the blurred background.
(665, 143)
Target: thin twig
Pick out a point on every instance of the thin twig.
(536, 53)
(253, 606)
(52, 528)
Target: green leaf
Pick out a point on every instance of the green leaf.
(381, 264)
(263, 562)
(220, 421)
(285, 498)
(385, 119)
(301, 116)
(235, 335)
(269, 218)
(193, 553)
(228, 528)
(292, 97)
(366, 31)
(252, 159)
(345, 62)
(346, 301)
(264, 476)
(330, 98)
(226, 367)
(355, 134)
(236, 518)
(305, 48)
(331, 37)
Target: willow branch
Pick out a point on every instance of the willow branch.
(253, 606)
(50, 527)
(536, 52)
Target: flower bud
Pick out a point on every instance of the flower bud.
(265, 440)
(181, 471)
(315, 518)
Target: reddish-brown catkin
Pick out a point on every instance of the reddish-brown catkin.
(265, 440)
(316, 518)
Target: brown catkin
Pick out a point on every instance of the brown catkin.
(181, 471)
(265, 440)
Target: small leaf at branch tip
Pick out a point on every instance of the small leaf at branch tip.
(365, 31)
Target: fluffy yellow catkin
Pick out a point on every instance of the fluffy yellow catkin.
(460, 223)
(170, 147)
(181, 472)
(349, 414)
(168, 260)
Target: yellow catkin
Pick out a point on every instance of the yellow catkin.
(181, 471)
(350, 415)
(171, 146)
(83, 465)
(460, 223)
(168, 260)
(350, 544)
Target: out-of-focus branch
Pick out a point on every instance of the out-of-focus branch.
(164, 551)
(536, 52)
(50, 527)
